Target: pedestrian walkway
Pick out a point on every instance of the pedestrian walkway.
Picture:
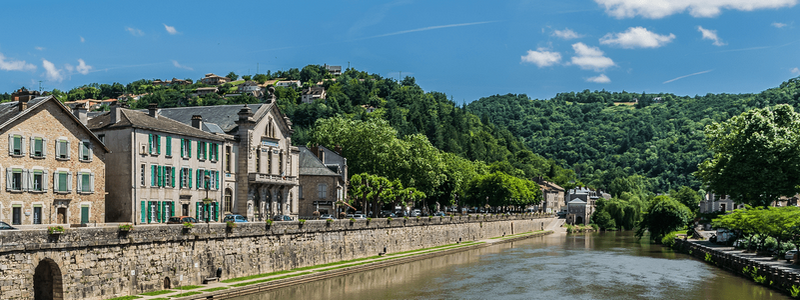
(764, 260)
(201, 292)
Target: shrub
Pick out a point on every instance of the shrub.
(405, 218)
(369, 219)
(188, 225)
(668, 240)
(55, 229)
(230, 224)
(794, 291)
(302, 221)
(329, 221)
(389, 219)
(126, 227)
(269, 222)
(352, 220)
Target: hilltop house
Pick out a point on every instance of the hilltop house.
(312, 93)
(213, 79)
(261, 165)
(162, 167)
(55, 167)
(334, 70)
(289, 83)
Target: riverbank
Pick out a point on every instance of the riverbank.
(235, 287)
(776, 274)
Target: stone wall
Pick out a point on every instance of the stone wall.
(101, 263)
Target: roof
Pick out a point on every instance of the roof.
(314, 90)
(311, 165)
(10, 113)
(224, 116)
(332, 158)
(138, 119)
(577, 201)
(551, 186)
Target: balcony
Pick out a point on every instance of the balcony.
(272, 179)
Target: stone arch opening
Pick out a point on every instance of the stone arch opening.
(167, 283)
(579, 220)
(47, 281)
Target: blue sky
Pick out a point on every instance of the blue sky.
(467, 49)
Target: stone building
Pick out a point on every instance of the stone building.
(553, 196)
(713, 203)
(261, 175)
(162, 167)
(323, 175)
(55, 167)
(581, 203)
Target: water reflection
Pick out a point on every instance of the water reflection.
(591, 266)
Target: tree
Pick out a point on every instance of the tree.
(232, 76)
(261, 78)
(756, 156)
(688, 197)
(246, 77)
(663, 216)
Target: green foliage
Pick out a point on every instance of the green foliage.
(500, 189)
(602, 219)
(302, 221)
(664, 215)
(669, 240)
(58, 229)
(188, 225)
(687, 196)
(760, 147)
(709, 258)
(156, 293)
(126, 227)
(794, 291)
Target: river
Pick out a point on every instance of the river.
(610, 265)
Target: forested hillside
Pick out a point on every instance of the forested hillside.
(660, 137)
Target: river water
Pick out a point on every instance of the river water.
(584, 266)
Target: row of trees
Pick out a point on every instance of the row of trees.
(764, 228)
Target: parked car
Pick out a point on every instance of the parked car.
(282, 218)
(326, 217)
(789, 256)
(439, 214)
(359, 216)
(415, 213)
(348, 216)
(181, 220)
(234, 218)
(5, 226)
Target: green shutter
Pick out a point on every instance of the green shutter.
(169, 146)
(158, 144)
(182, 147)
(190, 178)
(173, 176)
(217, 173)
(149, 211)
(205, 150)
(216, 210)
(150, 142)
(197, 211)
(152, 175)
(144, 212)
(199, 149)
(172, 209)
(189, 151)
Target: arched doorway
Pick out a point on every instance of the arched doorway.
(47, 281)
(167, 283)
(579, 220)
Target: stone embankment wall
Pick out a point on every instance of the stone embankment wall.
(780, 278)
(101, 263)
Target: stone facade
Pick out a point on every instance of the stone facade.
(49, 176)
(102, 263)
(318, 193)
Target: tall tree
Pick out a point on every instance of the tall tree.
(756, 156)
(664, 216)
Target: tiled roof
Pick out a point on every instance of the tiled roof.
(225, 116)
(138, 119)
(311, 165)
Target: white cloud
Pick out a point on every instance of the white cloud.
(637, 37)
(170, 29)
(83, 40)
(599, 79)
(709, 34)
(39, 48)
(133, 31)
(69, 68)
(656, 9)
(796, 71)
(542, 57)
(177, 65)
(15, 65)
(779, 25)
(566, 34)
(82, 67)
(590, 58)
(52, 72)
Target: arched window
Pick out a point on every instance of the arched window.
(228, 202)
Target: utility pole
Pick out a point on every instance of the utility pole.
(40, 86)
(257, 68)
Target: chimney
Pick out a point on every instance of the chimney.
(23, 95)
(245, 114)
(115, 112)
(80, 112)
(152, 110)
(197, 122)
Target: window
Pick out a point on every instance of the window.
(62, 149)
(186, 148)
(37, 214)
(84, 213)
(186, 178)
(37, 147)
(228, 166)
(258, 162)
(37, 184)
(213, 151)
(102, 138)
(228, 202)
(15, 144)
(16, 212)
(16, 179)
(169, 176)
(214, 179)
(322, 191)
(62, 182)
(169, 146)
(86, 151)
(85, 182)
(143, 174)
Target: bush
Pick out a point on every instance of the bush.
(55, 229)
(126, 227)
(230, 224)
(668, 240)
(188, 225)
(329, 221)
(389, 219)
(269, 222)
(302, 221)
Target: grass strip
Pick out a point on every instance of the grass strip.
(237, 279)
(156, 293)
(216, 289)
(269, 279)
(395, 257)
(125, 298)
(187, 294)
(163, 298)
(431, 248)
(188, 287)
(295, 270)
